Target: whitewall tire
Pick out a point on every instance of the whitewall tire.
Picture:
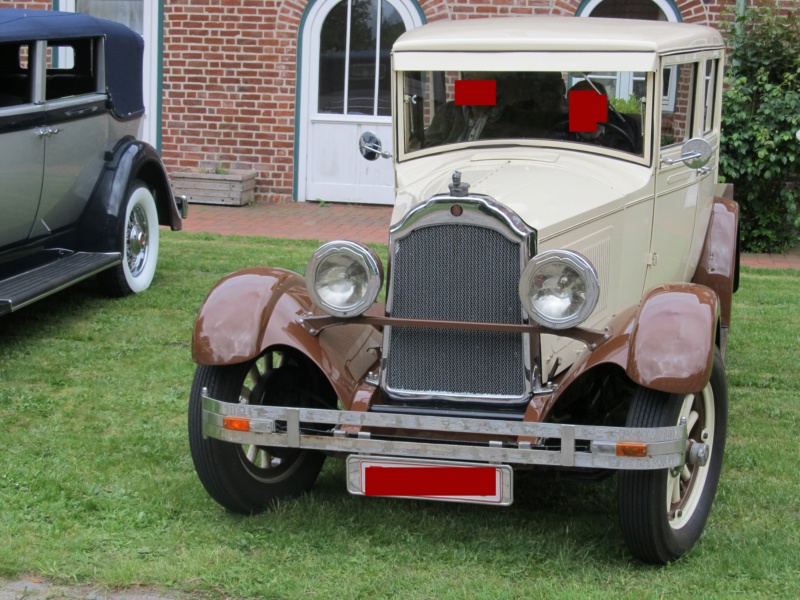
(139, 244)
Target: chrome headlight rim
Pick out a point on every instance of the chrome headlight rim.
(359, 253)
(581, 266)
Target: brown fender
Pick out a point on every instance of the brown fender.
(251, 310)
(666, 342)
(719, 265)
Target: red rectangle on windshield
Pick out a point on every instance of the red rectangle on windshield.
(476, 92)
(430, 481)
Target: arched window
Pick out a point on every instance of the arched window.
(354, 62)
(651, 10)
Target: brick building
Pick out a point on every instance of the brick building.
(262, 84)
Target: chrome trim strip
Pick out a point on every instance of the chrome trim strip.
(666, 445)
(479, 210)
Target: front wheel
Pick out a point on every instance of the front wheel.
(244, 478)
(139, 245)
(663, 512)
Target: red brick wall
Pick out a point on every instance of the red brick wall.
(229, 85)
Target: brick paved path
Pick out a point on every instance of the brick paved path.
(367, 224)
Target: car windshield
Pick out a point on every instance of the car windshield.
(601, 109)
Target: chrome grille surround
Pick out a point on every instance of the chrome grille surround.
(457, 268)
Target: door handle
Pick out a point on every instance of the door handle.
(704, 170)
(47, 131)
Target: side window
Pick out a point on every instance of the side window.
(15, 83)
(70, 68)
(676, 124)
(709, 94)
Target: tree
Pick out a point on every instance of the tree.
(760, 152)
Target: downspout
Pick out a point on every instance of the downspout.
(741, 8)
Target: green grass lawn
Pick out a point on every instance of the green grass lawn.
(97, 485)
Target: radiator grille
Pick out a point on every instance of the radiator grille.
(458, 273)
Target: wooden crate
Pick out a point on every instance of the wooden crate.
(234, 188)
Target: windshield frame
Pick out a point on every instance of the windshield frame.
(496, 62)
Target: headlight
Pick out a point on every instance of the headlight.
(559, 289)
(344, 278)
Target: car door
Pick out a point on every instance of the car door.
(76, 134)
(21, 143)
(677, 190)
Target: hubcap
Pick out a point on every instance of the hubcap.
(136, 241)
(685, 485)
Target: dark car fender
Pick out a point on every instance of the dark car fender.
(103, 219)
(254, 309)
(718, 268)
(665, 343)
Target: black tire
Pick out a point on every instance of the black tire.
(249, 479)
(138, 244)
(663, 512)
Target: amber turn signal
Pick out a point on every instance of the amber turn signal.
(236, 423)
(633, 449)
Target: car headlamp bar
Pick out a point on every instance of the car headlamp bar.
(316, 323)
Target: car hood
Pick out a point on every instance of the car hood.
(552, 191)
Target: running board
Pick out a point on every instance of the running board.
(30, 286)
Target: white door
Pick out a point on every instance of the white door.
(346, 90)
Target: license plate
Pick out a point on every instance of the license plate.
(447, 481)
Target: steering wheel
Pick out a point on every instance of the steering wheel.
(562, 130)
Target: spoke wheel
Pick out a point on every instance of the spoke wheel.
(663, 512)
(138, 243)
(247, 478)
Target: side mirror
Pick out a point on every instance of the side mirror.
(370, 146)
(696, 153)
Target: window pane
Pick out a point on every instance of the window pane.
(363, 45)
(70, 69)
(676, 124)
(14, 81)
(127, 12)
(710, 85)
(527, 106)
(331, 61)
(392, 27)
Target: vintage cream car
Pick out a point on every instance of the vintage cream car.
(561, 267)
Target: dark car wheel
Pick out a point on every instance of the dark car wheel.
(663, 512)
(243, 478)
(139, 245)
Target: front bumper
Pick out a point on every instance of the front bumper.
(585, 446)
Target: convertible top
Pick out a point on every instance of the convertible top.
(124, 48)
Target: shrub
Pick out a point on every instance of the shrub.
(760, 117)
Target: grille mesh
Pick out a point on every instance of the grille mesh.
(457, 273)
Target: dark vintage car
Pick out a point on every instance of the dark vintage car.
(80, 195)
(558, 293)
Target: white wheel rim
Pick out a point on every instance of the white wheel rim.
(141, 240)
(685, 485)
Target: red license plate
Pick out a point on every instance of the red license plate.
(435, 480)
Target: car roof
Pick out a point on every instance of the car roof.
(123, 56)
(552, 33)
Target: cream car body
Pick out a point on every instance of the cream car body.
(573, 196)
(557, 296)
